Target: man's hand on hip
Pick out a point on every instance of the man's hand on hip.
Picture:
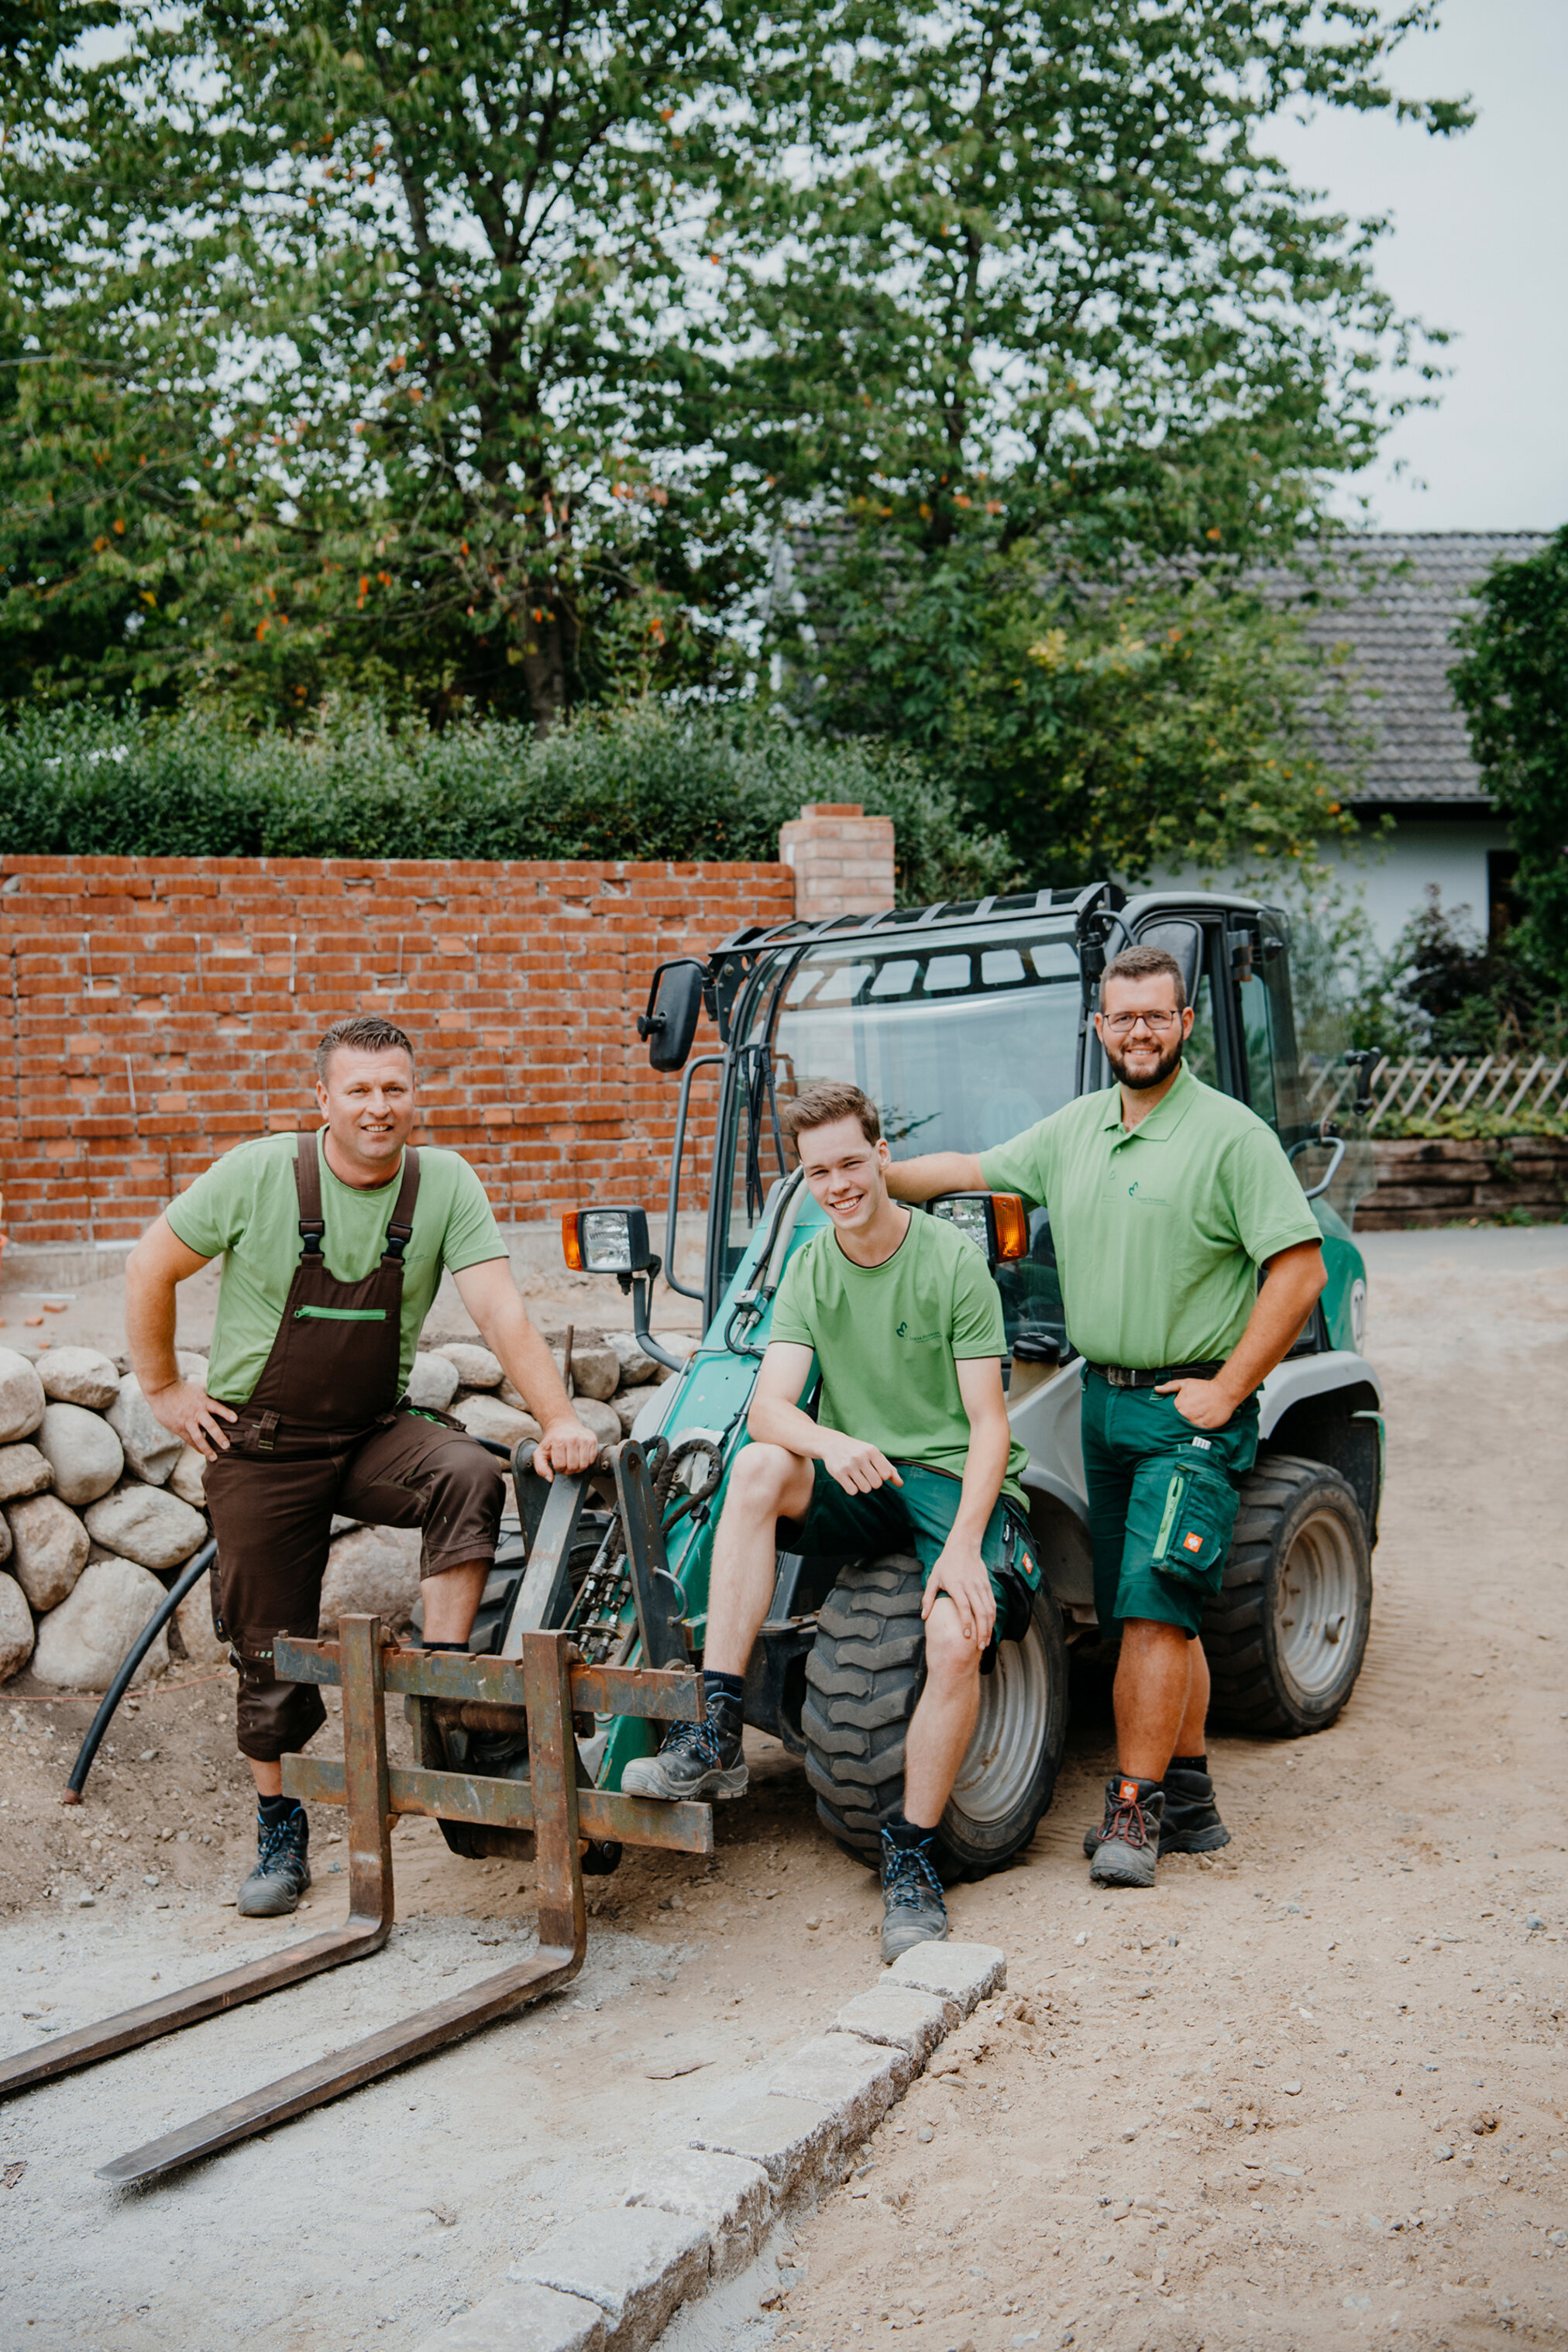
(1206, 1404)
(963, 1575)
(567, 1447)
(185, 1408)
(860, 1469)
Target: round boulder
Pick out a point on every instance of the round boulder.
(81, 1643)
(185, 1478)
(486, 1417)
(475, 1367)
(373, 1572)
(50, 1550)
(15, 1629)
(80, 1376)
(144, 1524)
(433, 1381)
(23, 1471)
(193, 1616)
(150, 1450)
(83, 1453)
(22, 1395)
(630, 1402)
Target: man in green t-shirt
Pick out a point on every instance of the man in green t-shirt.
(1166, 1200)
(333, 1245)
(909, 1450)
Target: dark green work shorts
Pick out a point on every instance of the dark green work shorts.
(1162, 1499)
(918, 1517)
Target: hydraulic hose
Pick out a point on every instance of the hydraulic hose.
(191, 1574)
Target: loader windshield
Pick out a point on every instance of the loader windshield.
(960, 1041)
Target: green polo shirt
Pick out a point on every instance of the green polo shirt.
(246, 1210)
(1159, 1230)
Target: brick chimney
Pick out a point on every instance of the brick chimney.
(843, 860)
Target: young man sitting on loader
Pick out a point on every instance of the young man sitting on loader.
(911, 1451)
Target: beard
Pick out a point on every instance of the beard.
(1161, 1070)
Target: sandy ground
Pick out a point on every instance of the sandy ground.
(1308, 2092)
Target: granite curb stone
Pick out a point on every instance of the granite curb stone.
(914, 2023)
(526, 2319)
(856, 2081)
(786, 2137)
(730, 2195)
(636, 2263)
(966, 1973)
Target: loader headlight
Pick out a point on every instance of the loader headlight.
(606, 1241)
(996, 1222)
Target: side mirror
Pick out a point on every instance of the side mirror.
(1183, 940)
(669, 1023)
(996, 1222)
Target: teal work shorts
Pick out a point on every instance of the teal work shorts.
(1162, 1499)
(918, 1517)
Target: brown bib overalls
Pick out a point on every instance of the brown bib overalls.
(321, 1434)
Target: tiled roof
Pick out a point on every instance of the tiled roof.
(1393, 599)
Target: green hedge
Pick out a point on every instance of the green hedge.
(651, 782)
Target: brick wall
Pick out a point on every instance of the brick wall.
(162, 1009)
(842, 860)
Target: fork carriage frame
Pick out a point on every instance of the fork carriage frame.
(544, 1680)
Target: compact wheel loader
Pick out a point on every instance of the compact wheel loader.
(965, 1024)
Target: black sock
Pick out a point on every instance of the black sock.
(447, 1645)
(906, 1834)
(1188, 1764)
(724, 1685)
(274, 1809)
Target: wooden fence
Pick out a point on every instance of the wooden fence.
(1504, 1085)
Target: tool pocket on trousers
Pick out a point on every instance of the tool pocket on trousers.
(1189, 1513)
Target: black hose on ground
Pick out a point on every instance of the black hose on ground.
(194, 1571)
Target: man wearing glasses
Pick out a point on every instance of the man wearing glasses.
(1166, 1200)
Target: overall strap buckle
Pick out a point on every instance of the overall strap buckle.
(308, 1185)
(267, 1431)
(400, 1224)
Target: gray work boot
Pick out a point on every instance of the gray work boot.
(282, 1872)
(697, 1760)
(1190, 1822)
(913, 1911)
(1127, 1847)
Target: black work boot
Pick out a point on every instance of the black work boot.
(1127, 1846)
(697, 1760)
(282, 1872)
(913, 1911)
(1191, 1823)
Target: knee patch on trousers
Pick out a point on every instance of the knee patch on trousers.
(272, 1718)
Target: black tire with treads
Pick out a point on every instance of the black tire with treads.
(1301, 1546)
(863, 1682)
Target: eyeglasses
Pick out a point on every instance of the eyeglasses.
(1121, 1025)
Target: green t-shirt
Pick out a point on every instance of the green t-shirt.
(889, 1339)
(244, 1209)
(1159, 1231)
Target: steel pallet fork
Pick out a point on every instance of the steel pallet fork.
(548, 1680)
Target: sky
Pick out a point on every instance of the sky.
(1480, 245)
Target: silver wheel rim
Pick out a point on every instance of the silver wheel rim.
(1316, 1599)
(1003, 1759)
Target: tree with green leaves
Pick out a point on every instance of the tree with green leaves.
(349, 345)
(1511, 682)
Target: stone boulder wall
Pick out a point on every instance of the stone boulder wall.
(86, 1467)
(80, 1645)
(84, 1455)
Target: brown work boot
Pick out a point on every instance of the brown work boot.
(1128, 1845)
